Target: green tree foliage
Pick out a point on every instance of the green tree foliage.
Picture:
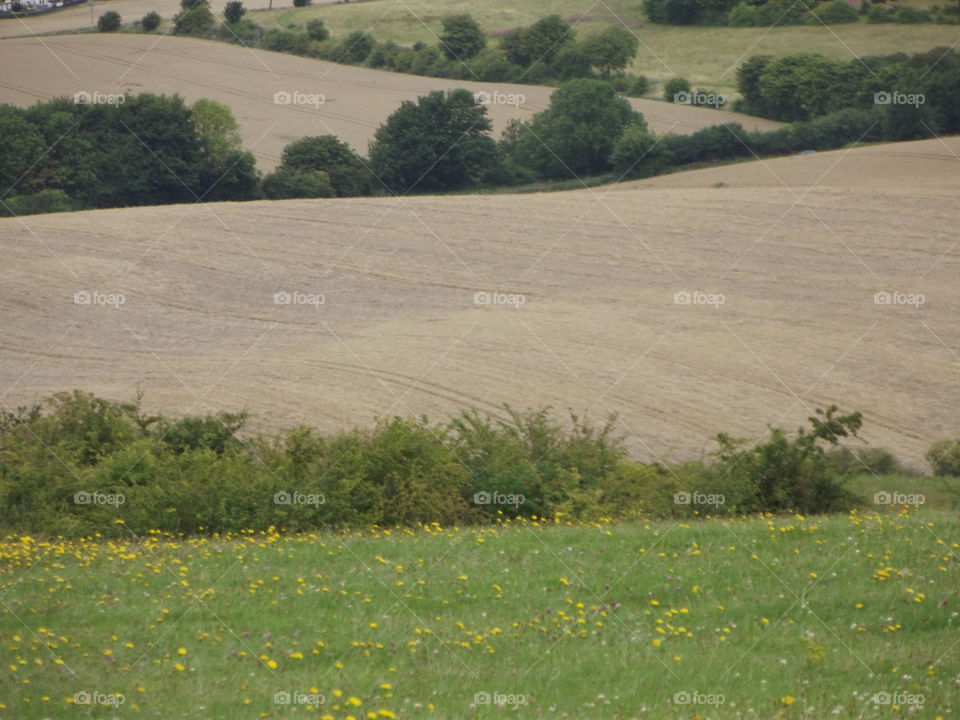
(611, 50)
(673, 87)
(233, 11)
(194, 18)
(576, 135)
(22, 145)
(346, 171)
(944, 457)
(200, 474)
(688, 12)
(461, 38)
(142, 150)
(151, 21)
(317, 30)
(109, 21)
(539, 42)
(440, 142)
(355, 48)
(282, 184)
(638, 153)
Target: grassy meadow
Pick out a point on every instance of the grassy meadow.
(848, 616)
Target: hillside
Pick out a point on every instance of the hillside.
(797, 246)
(357, 100)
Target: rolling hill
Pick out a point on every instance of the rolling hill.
(796, 247)
(357, 100)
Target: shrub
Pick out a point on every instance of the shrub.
(285, 184)
(150, 21)
(944, 457)
(301, 3)
(743, 15)
(109, 22)
(638, 87)
(45, 201)
(639, 154)
(317, 30)
(876, 461)
(355, 48)
(835, 12)
(791, 473)
(674, 87)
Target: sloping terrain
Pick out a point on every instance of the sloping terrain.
(798, 247)
(356, 100)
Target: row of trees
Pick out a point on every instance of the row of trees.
(803, 86)
(766, 13)
(80, 463)
(548, 51)
(127, 150)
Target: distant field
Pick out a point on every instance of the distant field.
(357, 100)
(707, 56)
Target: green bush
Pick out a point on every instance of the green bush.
(835, 12)
(233, 11)
(302, 3)
(355, 48)
(944, 457)
(845, 461)
(109, 22)
(150, 21)
(285, 184)
(674, 87)
(45, 201)
(317, 30)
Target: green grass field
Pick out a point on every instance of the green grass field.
(707, 56)
(851, 616)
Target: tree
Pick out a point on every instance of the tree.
(194, 18)
(233, 11)
(440, 142)
(539, 42)
(109, 22)
(578, 132)
(150, 21)
(462, 37)
(21, 145)
(347, 174)
(216, 127)
(611, 50)
(355, 48)
(317, 30)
